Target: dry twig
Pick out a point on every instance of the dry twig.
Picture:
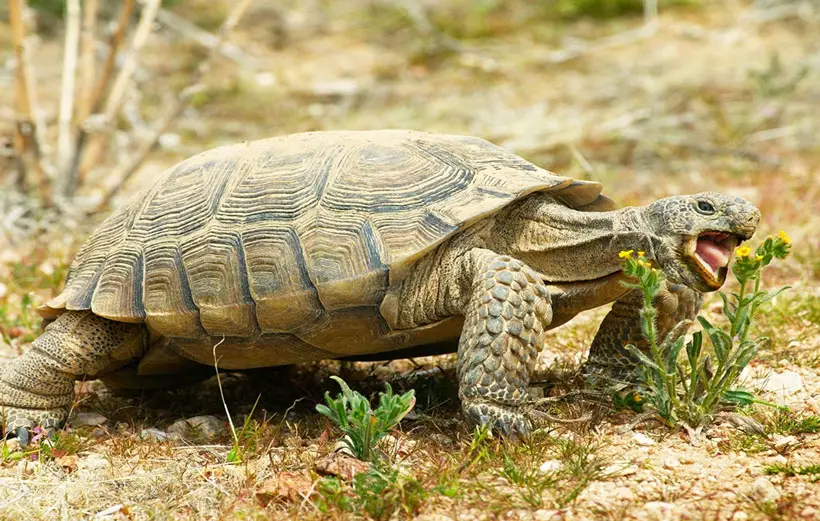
(70, 49)
(27, 144)
(74, 173)
(122, 81)
(87, 62)
(127, 169)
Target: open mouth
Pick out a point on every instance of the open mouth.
(712, 252)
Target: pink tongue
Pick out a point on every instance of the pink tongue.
(713, 254)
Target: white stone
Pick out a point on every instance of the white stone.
(546, 515)
(432, 517)
(153, 434)
(82, 419)
(740, 516)
(785, 383)
(662, 511)
(620, 469)
(549, 466)
(643, 440)
(671, 463)
(624, 493)
(93, 462)
(764, 491)
(198, 428)
(784, 442)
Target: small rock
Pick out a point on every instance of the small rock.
(153, 434)
(809, 513)
(546, 515)
(787, 382)
(624, 493)
(82, 419)
(93, 462)
(204, 428)
(550, 466)
(784, 442)
(12, 444)
(287, 486)
(740, 516)
(643, 440)
(620, 469)
(661, 511)
(671, 463)
(432, 517)
(98, 432)
(397, 446)
(762, 490)
(340, 465)
(441, 439)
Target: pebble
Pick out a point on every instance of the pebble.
(643, 440)
(740, 516)
(432, 517)
(204, 428)
(624, 493)
(661, 511)
(787, 382)
(784, 442)
(808, 513)
(671, 463)
(93, 462)
(82, 419)
(549, 466)
(153, 434)
(764, 491)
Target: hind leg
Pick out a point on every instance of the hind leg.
(37, 388)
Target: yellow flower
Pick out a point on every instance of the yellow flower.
(743, 251)
(626, 254)
(644, 263)
(758, 258)
(783, 236)
(641, 253)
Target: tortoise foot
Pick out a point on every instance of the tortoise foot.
(24, 423)
(507, 420)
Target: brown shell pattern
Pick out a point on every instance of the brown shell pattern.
(263, 237)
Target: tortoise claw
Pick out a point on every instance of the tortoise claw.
(23, 436)
(506, 420)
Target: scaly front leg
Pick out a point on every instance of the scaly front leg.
(504, 323)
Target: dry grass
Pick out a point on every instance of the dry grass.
(717, 98)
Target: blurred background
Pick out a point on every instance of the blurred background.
(649, 97)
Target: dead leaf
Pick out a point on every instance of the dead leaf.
(287, 486)
(341, 465)
(68, 462)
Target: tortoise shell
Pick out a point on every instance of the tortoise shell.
(294, 241)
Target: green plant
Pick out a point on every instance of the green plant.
(693, 392)
(363, 426)
(380, 492)
(788, 469)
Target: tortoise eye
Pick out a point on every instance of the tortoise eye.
(705, 207)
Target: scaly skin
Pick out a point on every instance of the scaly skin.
(37, 388)
(503, 331)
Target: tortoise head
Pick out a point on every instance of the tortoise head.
(698, 235)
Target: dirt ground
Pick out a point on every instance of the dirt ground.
(710, 96)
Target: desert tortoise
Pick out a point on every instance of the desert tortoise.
(335, 244)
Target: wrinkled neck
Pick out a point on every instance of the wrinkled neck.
(568, 245)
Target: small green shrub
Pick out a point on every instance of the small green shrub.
(363, 426)
(379, 492)
(694, 391)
